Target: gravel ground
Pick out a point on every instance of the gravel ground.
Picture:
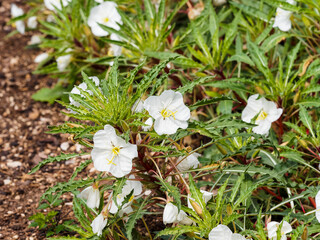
(23, 140)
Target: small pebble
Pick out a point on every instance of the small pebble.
(14, 164)
(64, 146)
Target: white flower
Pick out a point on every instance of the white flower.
(272, 228)
(82, 86)
(17, 12)
(188, 162)
(41, 57)
(318, 206)
(115, 49)
(111, 153)
(282, 19)
(32, 22)
(149, 123)
(267, 110)
(130, 185)
(206, 197)
(106, 13)
(98, 224)
(169, 112)
(222, 232)
(171, 214)
(51, 4)
(35, 39)
(92, 196)
(63, 61)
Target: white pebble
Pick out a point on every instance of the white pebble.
(64, 146)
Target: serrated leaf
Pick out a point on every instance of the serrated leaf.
(62, 157)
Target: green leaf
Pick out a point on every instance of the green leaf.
(177, 231)
(206, 102)
(49, 94)
(134, 218)
(62, 157)
(241, 58)
(306, 120)
(172, 191)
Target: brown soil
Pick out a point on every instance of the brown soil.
(23, 140)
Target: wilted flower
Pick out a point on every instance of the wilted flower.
(318, 206)
(188, 162)
(17, 12)
(169, 112)
(106, 13)
(51, 4)
(41, 57)
(50, 18)
(272, 228)
(171, 214)
(267, 110)
(91, 195)
(111, 153)
(130, 185)
(222, 232)
(63, 61)
(82, 86)
(282, 19)
(206, 196)
(32, 22)
(98, 224)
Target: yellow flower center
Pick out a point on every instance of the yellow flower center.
(165, 113)
(115, 151)
(106, 20)
(263, 115)
(131, 198)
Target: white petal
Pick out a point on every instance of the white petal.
(101, 159)
(16, 11)
(149, 122)
(32, 22)
(253, 107)
(94, 198)
(262, 128)
(98, 224)
(206, 195)
(165, 126)
(221, 232)
(41, 57)
(20, 26)
(154, 106)
(104, 138)
(272, 229)
(237, 236)
(286, 227)
(189, 162)
(282, 20)
(318, 206)
(170, 213)
(35, 39)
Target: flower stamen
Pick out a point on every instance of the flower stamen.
(115, 151)
(165, 113)
(263, 115)
(106, 20)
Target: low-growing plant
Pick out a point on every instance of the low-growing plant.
(218, 140)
